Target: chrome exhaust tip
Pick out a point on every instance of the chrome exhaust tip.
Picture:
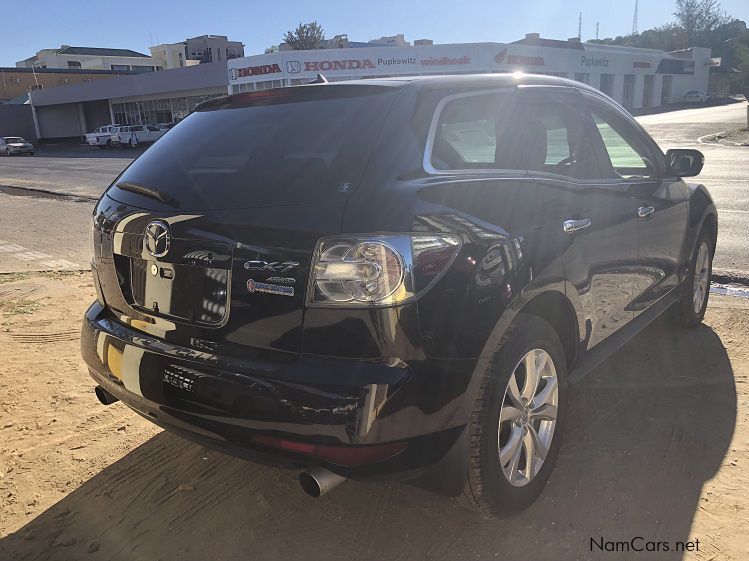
(317, 481)
(104, 396)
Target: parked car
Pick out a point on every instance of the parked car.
(696, 96)
(165, 126)
(104, 137)
(137, 134)
(13, 145)
(395, 278)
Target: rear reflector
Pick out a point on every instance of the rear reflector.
(340, 455)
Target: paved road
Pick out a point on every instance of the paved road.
(726, 172)
(58, 229)
(79, 170)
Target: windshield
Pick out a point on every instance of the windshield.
(13, 139)
(301, 147)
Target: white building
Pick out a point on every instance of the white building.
(204, 48)
(390, 41)
(171, 55)
(90, 58)
(634, 77)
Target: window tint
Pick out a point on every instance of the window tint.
(297, 145)
(466, 134)
(530, 130)
(549, 136)
(627, 161)
(558, 149)
(473, 141)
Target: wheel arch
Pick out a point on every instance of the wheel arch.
(702, 213)
(556, 309)
(549, 303)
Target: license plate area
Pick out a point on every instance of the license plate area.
(196, 294)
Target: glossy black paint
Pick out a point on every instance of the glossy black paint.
(203, 356)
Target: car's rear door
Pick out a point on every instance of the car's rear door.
(637, 164)
(207, 239)
(590, 219)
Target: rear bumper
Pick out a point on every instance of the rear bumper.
(239, 408)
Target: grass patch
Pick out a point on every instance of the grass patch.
(11, 308)
(14, 277)
(740, 136)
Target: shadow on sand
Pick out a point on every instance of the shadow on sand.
(646, 431)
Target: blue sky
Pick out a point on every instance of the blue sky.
(28, 26)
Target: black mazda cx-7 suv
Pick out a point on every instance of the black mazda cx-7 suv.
(391, 278)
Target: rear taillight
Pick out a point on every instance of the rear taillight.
(378, 270)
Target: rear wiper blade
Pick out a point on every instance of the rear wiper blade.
(147, 192)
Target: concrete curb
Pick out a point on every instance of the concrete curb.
(722, 276)
(47, 193)
(715, 138)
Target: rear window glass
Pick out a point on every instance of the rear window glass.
(299, 147)
(466, 135)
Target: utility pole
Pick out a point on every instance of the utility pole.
(634, 20)
(597, 24)
(580, 26)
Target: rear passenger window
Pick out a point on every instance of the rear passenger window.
(530, 129)
(466, 133)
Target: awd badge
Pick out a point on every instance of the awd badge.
(257, 286)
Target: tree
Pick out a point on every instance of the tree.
(741, 54)
(271, 49)
(699, 23)
(306, 36)
(699, 19)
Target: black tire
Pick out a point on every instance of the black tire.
(488, 490)
(686, 315)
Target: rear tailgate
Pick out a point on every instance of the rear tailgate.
(241, 191)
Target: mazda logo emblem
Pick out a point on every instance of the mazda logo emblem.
(157, 238)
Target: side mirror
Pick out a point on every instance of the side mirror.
(685, 162)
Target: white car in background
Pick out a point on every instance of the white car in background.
(696, 96)
(104, 137)
(132, 135)
(12, 145)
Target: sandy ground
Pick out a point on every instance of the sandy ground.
(656, 447)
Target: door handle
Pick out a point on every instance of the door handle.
(644, 211)
(570, 226)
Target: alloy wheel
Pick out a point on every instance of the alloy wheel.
(528, 417)
(701, 282)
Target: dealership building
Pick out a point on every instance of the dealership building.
(634, 77)
(153, 97)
